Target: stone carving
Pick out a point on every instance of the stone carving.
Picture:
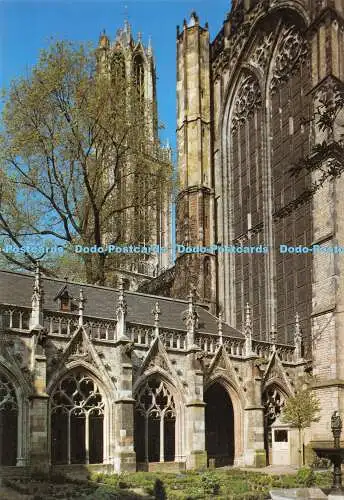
(78, 394)
(262, 51)
(155, 400)
(158, 360)
(8, 400)
(227, 52)
(273, 403)
(292, 49)
(248, 99)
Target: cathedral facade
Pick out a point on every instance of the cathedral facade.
(197, 365)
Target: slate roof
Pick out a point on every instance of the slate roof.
(16, 290)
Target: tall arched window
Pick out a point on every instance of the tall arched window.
(139, 75)
(246, 193)
(155, 423)
(8, 422)
(77, 413)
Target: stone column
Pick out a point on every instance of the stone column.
(39, 446)
(196, 455)
(254, 451)
(327, 46)
(123, 423)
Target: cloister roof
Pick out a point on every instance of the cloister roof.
(101, 302)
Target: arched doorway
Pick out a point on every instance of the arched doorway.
(8, 422)
(273, 402)
(219, 425)
(155, 418)
(77, 414)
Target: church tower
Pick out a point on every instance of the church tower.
(195, 202)
(146, 221)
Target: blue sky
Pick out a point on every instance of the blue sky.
(28, 26)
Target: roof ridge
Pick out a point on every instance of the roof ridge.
(101, 287)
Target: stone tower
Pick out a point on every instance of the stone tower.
(326, 38)
(148, 224)
(195, 202)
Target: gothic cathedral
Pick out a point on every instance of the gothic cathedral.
(198, 362)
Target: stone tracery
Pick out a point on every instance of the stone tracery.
(156, 405)
(291, 51)
(77, 411)
(248, 99)
(8, 422)
(8, 400)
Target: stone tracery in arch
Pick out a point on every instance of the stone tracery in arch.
(248, 98)
(292, 49)
(77, 412)
(273, 402)
(155, 421)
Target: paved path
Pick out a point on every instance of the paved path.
(270, 469)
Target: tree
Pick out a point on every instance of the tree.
(301, 410)
(78, 164)
(326, 159)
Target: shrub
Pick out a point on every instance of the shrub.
(305, 476)
(210, 483)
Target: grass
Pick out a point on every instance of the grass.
(231, 484)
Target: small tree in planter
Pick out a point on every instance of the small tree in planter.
(300, 411)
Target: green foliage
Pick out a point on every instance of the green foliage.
(67, 140)
(233, 484)
(301, 409)
(306, 477)
(210, 483)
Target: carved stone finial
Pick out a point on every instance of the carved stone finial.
(37, 299)
(219, 324)
(273, 337)
(82, 301)
(156, 313)
(37, 285)
(248, 329)
(194, 19)
(104, 41)
(297, 337)
(149, 47)
(121, 311)
(122, 304)
(248, 316)
(191, 318)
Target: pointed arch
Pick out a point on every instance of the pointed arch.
(80, 416)
(159, 418)
(273, 400)
(242, 200)
(252, 165)
(17, 429)
(236, 414)
(139, 74)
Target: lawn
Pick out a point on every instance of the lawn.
(223, 485)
